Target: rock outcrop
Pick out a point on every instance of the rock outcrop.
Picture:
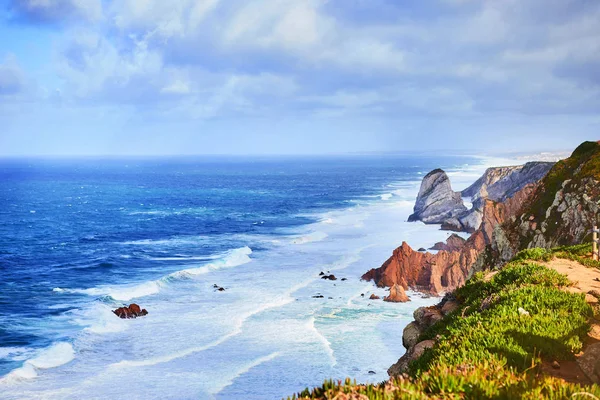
(437, 201)
(411, 354)
(133, 311)
(424, 317)
(397, 295)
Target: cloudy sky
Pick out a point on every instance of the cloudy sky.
(119, 77)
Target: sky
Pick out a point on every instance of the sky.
(156, 77)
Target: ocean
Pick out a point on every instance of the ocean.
(81, 237)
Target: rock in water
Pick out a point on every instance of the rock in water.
(397, 295)
(133, 311)
(437, 201)
(374, 297)
(330, 277)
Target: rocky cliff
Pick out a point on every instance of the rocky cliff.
(558, 210)
(561, 211)
(436, 201)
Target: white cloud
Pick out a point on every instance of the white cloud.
(12, 78)
(177, 87)
(93, 65)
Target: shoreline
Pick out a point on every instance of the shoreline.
(395, 205)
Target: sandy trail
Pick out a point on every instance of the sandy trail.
(586, 280)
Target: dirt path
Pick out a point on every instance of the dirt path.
(586, 280)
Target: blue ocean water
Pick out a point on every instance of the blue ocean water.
(80, 237)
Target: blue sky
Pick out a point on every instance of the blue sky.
(116, 77)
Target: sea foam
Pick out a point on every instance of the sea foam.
(52, 357)
(232, 258)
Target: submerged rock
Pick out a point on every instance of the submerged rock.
(133, 311)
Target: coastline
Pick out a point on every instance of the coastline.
(393, 205)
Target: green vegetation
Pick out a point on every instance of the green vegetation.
(487, 380)
(489, 326)
(577, 253)
(492, 346)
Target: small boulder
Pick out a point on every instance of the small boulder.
(422, 249)
(453, 243)
(450, 306)
(344, 279)
(374, 297)
(221, 289)
(319, 296)
(589, 362)
(427, 316)
(411, 355)
(410, 335)
(372, 372)
(555, 364)
(322, 273)
(397, 295)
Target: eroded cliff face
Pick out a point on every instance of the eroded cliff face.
(500, 183)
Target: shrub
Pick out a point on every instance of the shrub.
(535, 254)
(485, 380)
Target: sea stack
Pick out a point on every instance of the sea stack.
(397, 295)
(436, 201)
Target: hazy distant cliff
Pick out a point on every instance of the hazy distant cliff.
(437, 203)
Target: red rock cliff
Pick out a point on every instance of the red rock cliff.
(446, 270)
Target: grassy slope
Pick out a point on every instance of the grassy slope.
(487, 349)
